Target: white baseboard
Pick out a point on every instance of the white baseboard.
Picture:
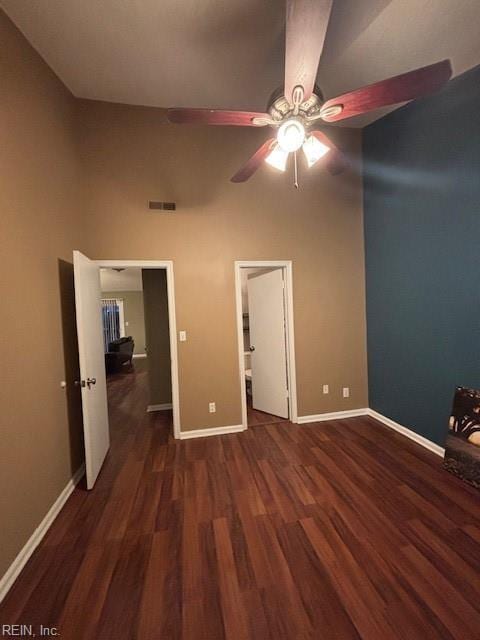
(22, 558)
(139, 355)
(159, 407)
(212, 431)
(425, 442)
(335, 415)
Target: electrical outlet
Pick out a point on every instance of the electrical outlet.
(212, 407)
(346, 392)
(325, 389)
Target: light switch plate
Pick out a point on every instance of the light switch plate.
(183, 336)
(325, 389)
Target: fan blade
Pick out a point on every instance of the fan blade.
(307, 22)
(254, 162)
(215, 116)
(402, 88)
(335, 161)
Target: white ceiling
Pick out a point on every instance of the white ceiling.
(127, 280)
(229, 54)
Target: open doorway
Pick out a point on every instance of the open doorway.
(105, 340)
(265, 342)
(136, 332)
(148, 342)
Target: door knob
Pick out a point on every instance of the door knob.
(252, 348)
(91, 381)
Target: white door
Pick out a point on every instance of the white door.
(92, 364)
(266, 310)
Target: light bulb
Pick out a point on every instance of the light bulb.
(291, 135)
(314, 150)
(277, 158)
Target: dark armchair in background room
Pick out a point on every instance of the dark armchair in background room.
(119, 354)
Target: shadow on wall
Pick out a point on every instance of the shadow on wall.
(72, 367)
(157, 334)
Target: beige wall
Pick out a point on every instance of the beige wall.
(40, 430)
(133, 314)
(157, 334)
(131, 156)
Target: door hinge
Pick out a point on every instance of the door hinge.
(287, 394)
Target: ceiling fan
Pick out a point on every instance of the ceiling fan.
(296, 110)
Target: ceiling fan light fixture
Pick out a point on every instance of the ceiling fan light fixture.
(291, 135)
(314, 150)
(277, 158)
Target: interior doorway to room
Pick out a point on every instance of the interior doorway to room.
(266, 344)
(136, 331)
(126, 327)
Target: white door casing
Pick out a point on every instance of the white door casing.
(92, 364)
(266, 307)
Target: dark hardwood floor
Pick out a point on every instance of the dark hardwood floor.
(340, 530)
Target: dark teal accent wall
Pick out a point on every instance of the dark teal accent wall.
(422, 242)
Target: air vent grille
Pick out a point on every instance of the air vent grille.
(162, 206)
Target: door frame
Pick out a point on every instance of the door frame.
(286, 265)
(172, 322)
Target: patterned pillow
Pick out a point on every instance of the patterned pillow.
(462, 448)
(465, 418)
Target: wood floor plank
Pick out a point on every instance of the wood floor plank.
(461, 574)
(47, 600)
(88, 592)
(342, 530)
(362, 603)
(454, 611)
(292, 611)
(234, 616)
(119, 615)
(243, 564)
(322, 603)
(203, 618)
(160, 610)
(257, 618)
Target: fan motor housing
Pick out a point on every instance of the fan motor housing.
(280, 108)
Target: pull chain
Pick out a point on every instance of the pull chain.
(295, 169)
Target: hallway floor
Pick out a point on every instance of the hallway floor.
(339, 530)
